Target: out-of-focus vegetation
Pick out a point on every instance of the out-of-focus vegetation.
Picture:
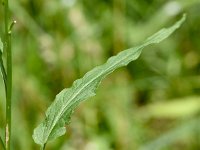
(152, 104)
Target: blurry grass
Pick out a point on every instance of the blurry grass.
(176, 108)
(184, 132)
(55, 42)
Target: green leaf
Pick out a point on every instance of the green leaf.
(2, 143)
(1, 46)
(58, 114)
(2, 68)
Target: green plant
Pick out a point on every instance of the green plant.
(7, 73)
(59, 113)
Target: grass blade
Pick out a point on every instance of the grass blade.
(2, 143)
(59, 113)
(3, 70)
(173, 135)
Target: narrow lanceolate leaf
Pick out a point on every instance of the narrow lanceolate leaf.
(58, 114)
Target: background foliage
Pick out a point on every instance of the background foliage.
(154, 103)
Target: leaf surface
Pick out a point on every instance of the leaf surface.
(58, 114)
(1, 46)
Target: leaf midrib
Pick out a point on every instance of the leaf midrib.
(85, 85)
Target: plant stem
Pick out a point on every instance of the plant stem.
(9, 94)
(7, 46)
(43, 148)
(2, 143)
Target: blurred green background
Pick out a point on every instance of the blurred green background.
(153, 104)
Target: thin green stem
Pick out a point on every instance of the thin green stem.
(9, 94)
(2, 143)
(43, 147)
(7, 47)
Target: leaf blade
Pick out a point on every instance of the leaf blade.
(1, 46)
(58, 114)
